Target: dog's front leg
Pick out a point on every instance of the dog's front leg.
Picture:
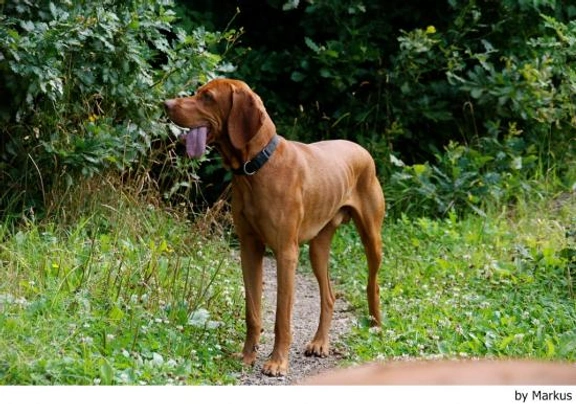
(251, 255)
(286, 261)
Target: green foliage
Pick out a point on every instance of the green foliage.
(465, 178)
(384, 65)
(523, 98)
(82, 91)
(474, 287)
(335, 62)
(127, 296)
(484, 85)
(533, 86)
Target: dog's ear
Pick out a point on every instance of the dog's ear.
(246, 117)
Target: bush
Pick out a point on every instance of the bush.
(470, 80)
(83, 88)
(475, 178)
(522, 123)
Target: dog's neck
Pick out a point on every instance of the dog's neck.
(252, 166)
(235, 160)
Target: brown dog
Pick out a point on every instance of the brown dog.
(283, 194)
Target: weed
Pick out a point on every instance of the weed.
(493, 286)
(128, 295)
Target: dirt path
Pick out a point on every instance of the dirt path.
(304, 322)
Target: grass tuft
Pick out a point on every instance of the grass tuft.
(129, 294)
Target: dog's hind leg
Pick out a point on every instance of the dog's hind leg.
(319, 256)
(368, 216)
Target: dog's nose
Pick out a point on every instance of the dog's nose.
(169, 104)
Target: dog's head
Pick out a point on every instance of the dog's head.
(224, 112)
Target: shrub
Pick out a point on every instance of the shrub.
(489, 174)
(521, 121)
(83, 88)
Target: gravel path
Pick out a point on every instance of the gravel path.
(304, 323)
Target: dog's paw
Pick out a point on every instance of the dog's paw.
(248, 359)
(275, 368)
(320, 349)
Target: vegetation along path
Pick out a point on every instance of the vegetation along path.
(304, 322)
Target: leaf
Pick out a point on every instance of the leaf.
(478, 211)
(298, 76)
(290, 5)
(396, 161)
(550, 348)
(53, 10)
(324, 72)
(505, 342)
(488, 46)
(476, 92)
(419, 169)
(106, 372)
(115, 314)
(311, 44)
(27, 25)
(332, 53)
(157, 359)
(516, 163)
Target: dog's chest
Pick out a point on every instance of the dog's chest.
(267, 211)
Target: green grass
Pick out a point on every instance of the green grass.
(501, 286)
(132, 294)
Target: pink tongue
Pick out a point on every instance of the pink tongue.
(196, 141)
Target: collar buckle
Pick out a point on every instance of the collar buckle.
(245, 169)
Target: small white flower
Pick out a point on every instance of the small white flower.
(87, 340)
(213, 324)
(157, 359)
(171, 363)
(199, 318)
(124, 378)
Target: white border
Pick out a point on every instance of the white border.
(278, 394)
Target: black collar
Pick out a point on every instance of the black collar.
(252, 166)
